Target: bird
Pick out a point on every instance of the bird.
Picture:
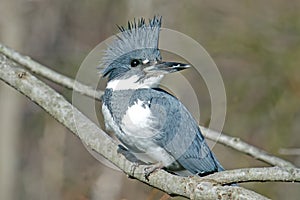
(150, 123)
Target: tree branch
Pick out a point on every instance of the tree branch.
(264, 174)
(64, 112)
(40, 69)
(239, 145)
(233, 142)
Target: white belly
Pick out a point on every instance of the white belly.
(138, 121)
(136, 136)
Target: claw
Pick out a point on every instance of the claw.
(133, 168)
(152, 168)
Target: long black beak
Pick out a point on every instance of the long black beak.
(168, 67)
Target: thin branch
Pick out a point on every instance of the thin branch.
(40, 69)
(233, 142)
(238, 144)
(290, 151)
(65, 113)
(264, 174)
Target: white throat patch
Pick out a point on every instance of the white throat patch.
(134, 83)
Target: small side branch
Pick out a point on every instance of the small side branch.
(238, 144)
(264, 174)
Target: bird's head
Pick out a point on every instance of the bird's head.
(133, 60)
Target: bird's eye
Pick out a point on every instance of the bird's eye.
(134, 63)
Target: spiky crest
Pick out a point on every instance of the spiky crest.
(137, 35)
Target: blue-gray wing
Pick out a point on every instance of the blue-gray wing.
(179, 133)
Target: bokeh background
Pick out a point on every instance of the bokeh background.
(255, 44)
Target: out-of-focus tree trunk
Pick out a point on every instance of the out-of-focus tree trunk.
(111, 190)
(52, 147)
(10, 123)
(10, 105)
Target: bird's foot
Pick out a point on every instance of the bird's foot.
(131, 157)
(152, 168)
(133, 168)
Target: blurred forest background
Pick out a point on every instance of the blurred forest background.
(255, 44)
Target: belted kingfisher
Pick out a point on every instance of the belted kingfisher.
(151, 123)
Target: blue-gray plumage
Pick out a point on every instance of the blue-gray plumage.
(152, 124)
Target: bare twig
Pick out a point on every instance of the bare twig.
(65, 113)
(224, 139)
(264, 174)
(290, 151)
(238, 144)
(40, 69)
